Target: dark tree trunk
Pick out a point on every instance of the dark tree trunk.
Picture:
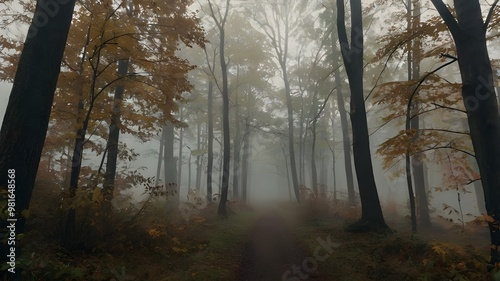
(352, 55)
(181, 147)
(412, 111)
(417, 164)
(334, 161)
(236, 151)
(222, 211)
(314, 172)
(469, 33)
(291, 138)
(160, 158)
(301, 145)
(287, 174)
(198, 156)
(245, 161)
(171, 186)
(113, 138)
(27, 115)
(346, 141)
(210, 156)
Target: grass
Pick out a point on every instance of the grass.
(207, 248)
(385, 256)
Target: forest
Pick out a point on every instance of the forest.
(246, 140)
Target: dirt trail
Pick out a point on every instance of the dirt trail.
(271, 254)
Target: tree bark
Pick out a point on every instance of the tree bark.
(171, 187)
(27, 115)
(314, 172)
(236, 150)
(181, 147)
(160, 158)
(113, 138)
(210, 155)
(417, 164)
(346, 141)
(352, 55)
(220, 23)
(469, 33)
(198, 156)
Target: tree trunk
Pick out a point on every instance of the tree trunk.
(210, 156)
(181, 147)
(314, 173)
(301, 145)
(412, 111)
(334, 162)
(160, 158)
(113, 138)
(417, 164)
(352, 55)
(198, 156)
(469, 34)
(225, 128)
(27, 115)
(346, 141)
(291, 138)
(236, 150)
(171, 187)
(245, 162)
(287, 175)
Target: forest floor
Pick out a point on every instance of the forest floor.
(271, 252)
(258, 243)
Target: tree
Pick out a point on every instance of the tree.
(279, 24)
(352, 55)
(114, 135)
(468, 30)
(210, 155)
(27, 115)
(220, 19)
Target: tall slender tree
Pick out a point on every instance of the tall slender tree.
(278, 19)
(352, 55)
(27, 115)
(219, 16)
(468, 30)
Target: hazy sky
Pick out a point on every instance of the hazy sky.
(4, 98)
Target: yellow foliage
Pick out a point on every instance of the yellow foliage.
(179, 250)
(97, 195)
(155, 233)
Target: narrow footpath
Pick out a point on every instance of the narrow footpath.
(271, 254)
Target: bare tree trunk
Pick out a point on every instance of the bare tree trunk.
(417, 164)
(469, 33)
(314, 173)
(333, 163)
(346, 141)
(210, 155)
(113, 138)
(236, 150)
(181, 147)
(220, 22)
(160, 158)
(171, 188)
(27, 115)
(198, 156)
(245, 160)
(352, 55)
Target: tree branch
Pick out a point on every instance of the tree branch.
(448, 18)
(490, 14)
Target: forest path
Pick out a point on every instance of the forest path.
(271, 253)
